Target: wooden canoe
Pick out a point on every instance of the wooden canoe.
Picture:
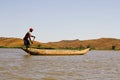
(56, 52)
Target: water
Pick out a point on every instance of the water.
(96, 65)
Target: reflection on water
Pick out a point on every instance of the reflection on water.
(96, 65)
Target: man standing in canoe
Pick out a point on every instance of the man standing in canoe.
(27, 38)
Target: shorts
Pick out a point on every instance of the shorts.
(27, 43)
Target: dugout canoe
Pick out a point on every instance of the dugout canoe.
(33, 51)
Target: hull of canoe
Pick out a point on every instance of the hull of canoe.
(56, 52)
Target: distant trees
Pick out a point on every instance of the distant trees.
(77, 48)
(80, 47)
(39, 46)
(113, 47)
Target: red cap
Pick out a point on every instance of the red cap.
(31, 29)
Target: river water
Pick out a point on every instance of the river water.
(96, 65)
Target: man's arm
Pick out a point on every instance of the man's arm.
(33, 36)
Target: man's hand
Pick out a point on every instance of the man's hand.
(32, 42)
(34, 37)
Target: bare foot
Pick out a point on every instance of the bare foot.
(28, 54)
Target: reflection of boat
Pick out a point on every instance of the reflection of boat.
(55, 52)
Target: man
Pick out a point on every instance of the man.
(27, 38)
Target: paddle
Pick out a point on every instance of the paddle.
(31, 45)
(33, 39)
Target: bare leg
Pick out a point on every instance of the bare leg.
(28, 53)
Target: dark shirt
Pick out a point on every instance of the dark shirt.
(27, 36)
